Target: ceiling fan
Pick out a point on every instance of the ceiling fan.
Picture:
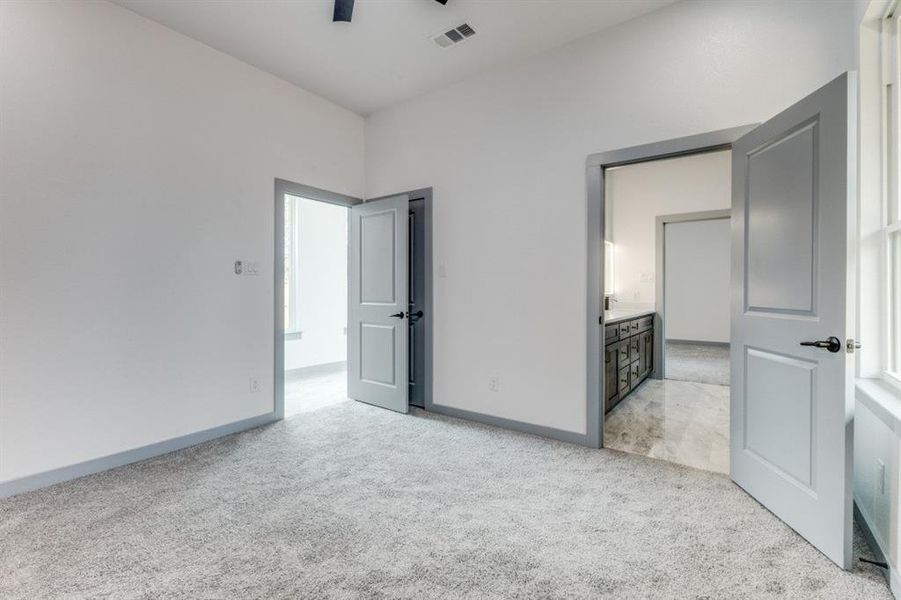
(344, 10)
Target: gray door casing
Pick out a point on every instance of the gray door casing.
(377, 370)
(417, 302)
(793, 217)
(660, 275)
(596, 166)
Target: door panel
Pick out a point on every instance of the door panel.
(792, 274)
(780, 208)
(378, 279)
(780, 392)
(377, 350)
(377, 298)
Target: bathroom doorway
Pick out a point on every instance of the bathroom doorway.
(667, 248)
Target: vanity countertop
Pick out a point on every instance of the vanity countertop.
(624, 314)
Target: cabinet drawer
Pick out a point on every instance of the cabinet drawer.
(645, 323)
(624, 380)
(624, 330)
(611, 333)
(623, 352)
(633, 326)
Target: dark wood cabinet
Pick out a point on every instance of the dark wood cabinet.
(628, 357)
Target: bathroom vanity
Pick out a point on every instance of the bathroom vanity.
(628, 352)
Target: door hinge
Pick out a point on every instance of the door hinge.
(851, 346)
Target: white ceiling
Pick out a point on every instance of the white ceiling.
(386, 54)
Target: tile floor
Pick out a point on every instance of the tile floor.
(702, 363)
(680, 421)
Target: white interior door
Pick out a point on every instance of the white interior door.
(377, 298)
(793, 183)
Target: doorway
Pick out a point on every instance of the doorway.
(315, 296)
(671, 267)
(313, 303)
(333, 256)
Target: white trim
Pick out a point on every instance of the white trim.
(889, 97)
(882, 400)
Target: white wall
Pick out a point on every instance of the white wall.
(135, 166)
(321, 286)
(505, 153)
(698, 280)
(637, 194)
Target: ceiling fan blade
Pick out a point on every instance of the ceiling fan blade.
(344, 10)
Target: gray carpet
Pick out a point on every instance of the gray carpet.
(314, 387)
(351, 501)
(701, 363)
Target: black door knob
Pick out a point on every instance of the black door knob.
(832, 344)
(399, 315)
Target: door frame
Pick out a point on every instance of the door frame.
(595, 183)
(660, 274)
(282, 187)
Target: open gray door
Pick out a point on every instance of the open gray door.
(793, 207)
(377, 297)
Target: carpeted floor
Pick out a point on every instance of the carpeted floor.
(351, 501)
(315, 387)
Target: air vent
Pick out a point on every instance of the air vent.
(466, 30)
(454, 36)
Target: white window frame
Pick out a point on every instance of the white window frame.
(890, 59)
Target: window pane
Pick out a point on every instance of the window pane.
(892, 154)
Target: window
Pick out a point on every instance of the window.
(891, 228)
(291, 264)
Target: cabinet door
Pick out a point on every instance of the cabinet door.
(649, 350)
(623, 381)
(623, 356)
(634, 348)
(611, 386)
(634, 376)
(642, 354)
